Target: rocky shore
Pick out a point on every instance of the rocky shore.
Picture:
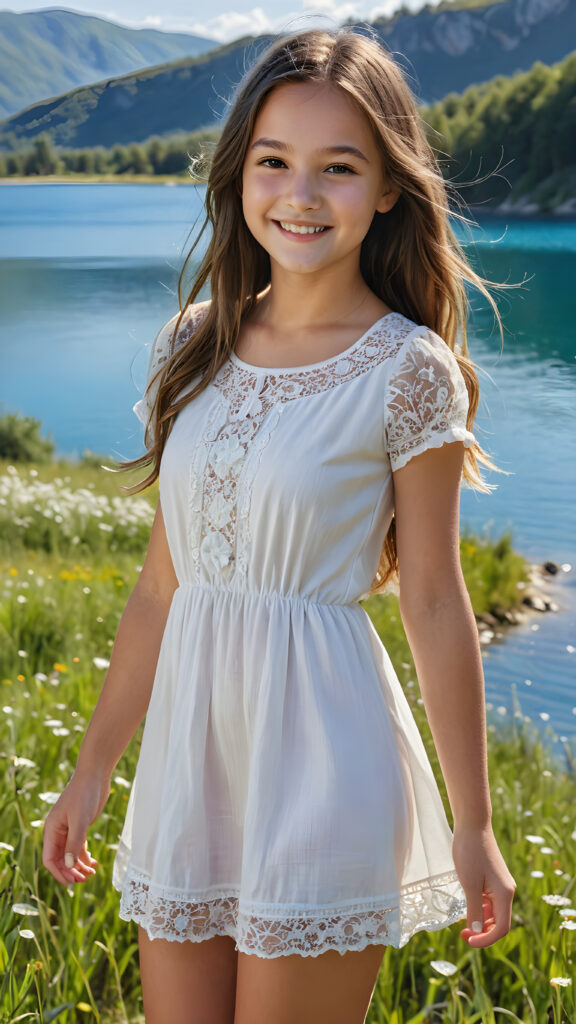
(526, 209)
(536, 598)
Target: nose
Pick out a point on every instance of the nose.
(303, 192)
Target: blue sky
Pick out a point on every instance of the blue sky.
(225, 20)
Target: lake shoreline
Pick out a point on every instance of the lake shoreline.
(536, 600)
(515, 211)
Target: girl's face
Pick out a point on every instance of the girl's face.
(312, 179)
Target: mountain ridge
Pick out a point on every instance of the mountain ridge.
(440, 56)
(50, 51)
(450, 48)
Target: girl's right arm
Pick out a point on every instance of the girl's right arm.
(121, 706)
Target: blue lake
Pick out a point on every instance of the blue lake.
(89, 273)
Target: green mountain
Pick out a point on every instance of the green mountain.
(445, 49)
(180, 96)
(516, 135)
(48, 52)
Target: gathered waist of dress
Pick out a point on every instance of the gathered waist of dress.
(271, 595)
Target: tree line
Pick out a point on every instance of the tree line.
(502, 139)
(157, 157)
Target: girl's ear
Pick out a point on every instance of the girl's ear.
(386, 201)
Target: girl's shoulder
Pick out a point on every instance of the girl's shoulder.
(191, 320)
(162, 348)
(408, 340)
(426, 399)
(164, 344)
(415, 353)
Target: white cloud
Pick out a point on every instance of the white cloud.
(388, 8)
(234, 24)
(229, 25)
(332, 8)
(223, 28)
(314, 13)
(383, 10)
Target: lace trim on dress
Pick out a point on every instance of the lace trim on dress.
(270, 932)
(426, 401)
(238, 429)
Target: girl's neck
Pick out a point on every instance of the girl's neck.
(298, 301)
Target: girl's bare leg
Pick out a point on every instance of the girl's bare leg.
(188, 982)
(332, 988)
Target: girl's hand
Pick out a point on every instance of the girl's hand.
(65, 828)
(487, 883)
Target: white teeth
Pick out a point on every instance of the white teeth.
(300, 229)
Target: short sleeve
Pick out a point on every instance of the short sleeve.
(426, 399)
(159, 354)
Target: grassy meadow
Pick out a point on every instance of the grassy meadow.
(71, 546)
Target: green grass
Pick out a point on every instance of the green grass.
(70, 957)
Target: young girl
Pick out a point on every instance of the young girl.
(310, 425)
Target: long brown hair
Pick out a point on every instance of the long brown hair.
(410, 257)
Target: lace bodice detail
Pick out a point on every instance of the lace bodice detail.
(424, 404)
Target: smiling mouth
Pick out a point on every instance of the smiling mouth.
(303, 229)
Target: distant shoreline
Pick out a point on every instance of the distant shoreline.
(514, 211)
(104, 179)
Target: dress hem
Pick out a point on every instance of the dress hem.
(273, 930)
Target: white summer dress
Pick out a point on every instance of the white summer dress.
(283, 795)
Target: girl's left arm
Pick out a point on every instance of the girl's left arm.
(442, 633)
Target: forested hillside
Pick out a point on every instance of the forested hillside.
(181, 96)
(444, 49)
(525, 124)
(517, 133)
(47, 52)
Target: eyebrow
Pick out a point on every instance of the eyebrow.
(283, 147)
